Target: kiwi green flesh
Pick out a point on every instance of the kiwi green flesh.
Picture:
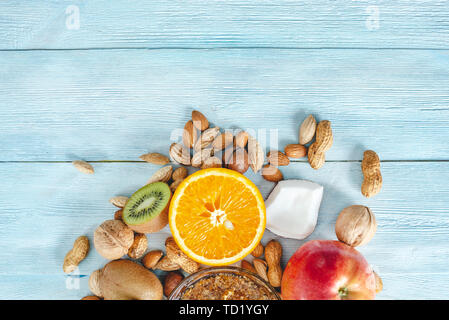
(146, 203)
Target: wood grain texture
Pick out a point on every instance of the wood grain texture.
(119, 104)
(48, 205)
(232, 23)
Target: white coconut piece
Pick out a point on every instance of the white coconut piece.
(292, 208)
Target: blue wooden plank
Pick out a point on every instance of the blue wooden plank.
(38, 287)
(232, 23)
(118, 104)
(47, 205)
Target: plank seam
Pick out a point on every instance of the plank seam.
(225, 48)
(173, 163)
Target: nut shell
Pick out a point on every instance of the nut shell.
(175, 254)
(139, 246)
(119, 201)
(372, 182)
(165, 264)
(356, 225)
(78, 252)
(112, 239)
(94, 285)
(180, 154)
(307, 130)
(323, 142)
(206, 138)
(256, 155)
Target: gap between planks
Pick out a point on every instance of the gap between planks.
(173, 163)
(225, 48)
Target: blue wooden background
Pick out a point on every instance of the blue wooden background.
(106, 81)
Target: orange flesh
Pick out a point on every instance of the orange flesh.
(218, 217)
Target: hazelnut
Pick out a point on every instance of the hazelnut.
(172, 280)
(356, 225)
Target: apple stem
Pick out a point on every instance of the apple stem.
(343, 292)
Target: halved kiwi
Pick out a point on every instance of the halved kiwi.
(147, 209)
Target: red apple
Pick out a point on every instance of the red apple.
(328, 270)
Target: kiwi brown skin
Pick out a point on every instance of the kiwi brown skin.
(127, 280)
(156, 224)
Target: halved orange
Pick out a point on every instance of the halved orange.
(217, 216)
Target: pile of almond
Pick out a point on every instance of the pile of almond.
(204, 147)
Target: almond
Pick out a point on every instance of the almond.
(163, 175)
(119, 201)
(295, 151)
(206, 138)
(256, 155)
(239, 161)
(155, 158)
(277, 158)
(175, 185)
(241, 139)
(226, 156)
(271, 173)
(199, 120)
(258, 251)
(189, 135)
(152, 258)
(180, 173)
(180, 154)
(222, 141)
(307, 130)
(83, 166)
(261, 268)
(200, 156)
(212, 162)
(248, 266)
